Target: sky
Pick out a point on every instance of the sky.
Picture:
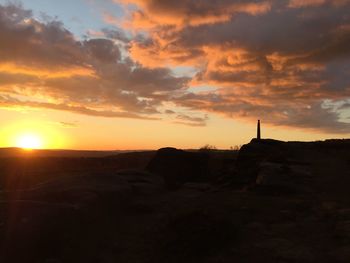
(144, 74)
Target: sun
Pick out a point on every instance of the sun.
(29, 141)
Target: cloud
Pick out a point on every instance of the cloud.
(279, 64)
(303, 3)
(312, 3)
(68, 124)
(116, 34)
(43, 65)
(169, 112)
(279, 61)
(30, 42)
(191, 120)
(11, 102)
(156, 13)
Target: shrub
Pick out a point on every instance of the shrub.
(207, 148)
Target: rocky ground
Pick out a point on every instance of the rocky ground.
(274, 202)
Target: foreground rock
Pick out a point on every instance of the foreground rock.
(252, 155)
(272, 166)
(119, 187)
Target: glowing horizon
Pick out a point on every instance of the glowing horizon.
(139, 74)
(126, 136)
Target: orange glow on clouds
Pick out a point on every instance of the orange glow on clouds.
(13, 68)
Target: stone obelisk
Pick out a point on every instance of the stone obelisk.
(258, 136)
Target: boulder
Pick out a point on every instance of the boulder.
(178, 167)
(273, 166)
(251, 155)
(142, 183)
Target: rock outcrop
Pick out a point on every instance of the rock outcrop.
(251, 156)
(271, 165)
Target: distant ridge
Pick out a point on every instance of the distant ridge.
(19, 152)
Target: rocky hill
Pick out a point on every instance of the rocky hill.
(271, 202)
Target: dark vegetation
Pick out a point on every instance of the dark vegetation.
(270, 202)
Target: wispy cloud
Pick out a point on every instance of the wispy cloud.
(191, 120)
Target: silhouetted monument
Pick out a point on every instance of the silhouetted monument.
(258, 136)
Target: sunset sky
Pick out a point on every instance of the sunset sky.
(144, 74)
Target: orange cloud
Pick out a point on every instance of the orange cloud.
(280, 64)
(153, 13)
(13, 68)
(311, 3)
(303, 3)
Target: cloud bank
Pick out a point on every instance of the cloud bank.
(275, 60)
(43, 65)
(286, 62)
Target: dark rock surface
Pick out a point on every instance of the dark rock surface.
(281, 202)
(274, 166)
(178, 166)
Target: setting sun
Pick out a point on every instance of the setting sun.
(29, 141)
(34, 133)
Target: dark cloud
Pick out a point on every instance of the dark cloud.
(104, 50)
(191, 120)
(116, 35)
(169, 112)
(345, 106)
(32, 43)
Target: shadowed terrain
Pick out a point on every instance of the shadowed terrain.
(272, 201)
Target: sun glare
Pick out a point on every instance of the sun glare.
(29, 142)
(33, 134)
